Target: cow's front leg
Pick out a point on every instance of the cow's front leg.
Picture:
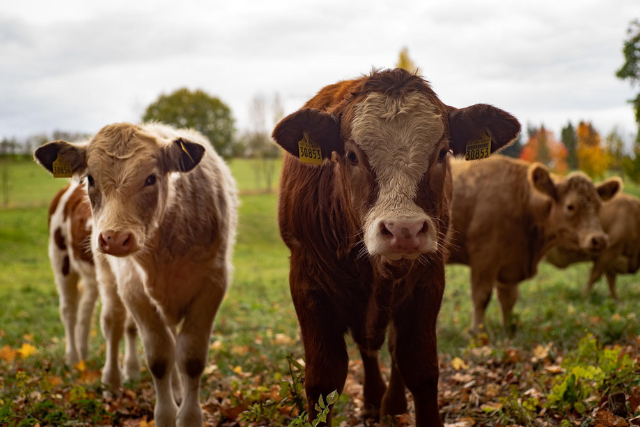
(131, 362)
(416, 352)
(159, 347)
(193, 347)
(394, 401)
(482, 282)
(112, 318)
(322, 333)
(374, 386)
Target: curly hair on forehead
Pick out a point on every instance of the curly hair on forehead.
(581, 184)
(396, 82)
(118, 139)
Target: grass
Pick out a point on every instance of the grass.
(257, 328)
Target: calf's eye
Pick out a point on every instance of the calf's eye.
(353, 157)
(442, 154)
(151, 179)
(90, 181)
(570, 207)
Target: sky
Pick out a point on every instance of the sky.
(77, 65)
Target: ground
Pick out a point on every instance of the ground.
(572, 361)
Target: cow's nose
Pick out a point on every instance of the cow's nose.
(404, 236)
(598, 242)
(114, 243)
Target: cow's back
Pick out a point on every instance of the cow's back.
(490, 215)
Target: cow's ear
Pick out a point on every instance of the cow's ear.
(471, 123)
(609, 188)
(182, 155)
(66, 158)
(309, 126)
(541, 180)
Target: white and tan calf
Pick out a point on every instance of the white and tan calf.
(164, 218)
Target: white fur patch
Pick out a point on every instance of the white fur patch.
(398, 135)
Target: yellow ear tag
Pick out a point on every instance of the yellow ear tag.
(309, 152)
(479, 149)
(61, 169)
(185, 150)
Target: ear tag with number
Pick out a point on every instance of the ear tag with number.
(309, 151)
(61, 169)
(479, 149)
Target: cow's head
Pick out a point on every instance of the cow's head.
(389, 141)
(572, 207)
(127, 173)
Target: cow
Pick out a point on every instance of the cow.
(506, 215)
(164, 210)
(70, 225)
(364, 209)
(620, 219)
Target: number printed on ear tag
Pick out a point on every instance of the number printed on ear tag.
(309, 152)
(61, 169)
(479, 149)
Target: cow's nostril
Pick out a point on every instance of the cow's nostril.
(424, 229)
(384, 230)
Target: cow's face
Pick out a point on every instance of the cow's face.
(389, 149)
(127, 174)
(573, 208)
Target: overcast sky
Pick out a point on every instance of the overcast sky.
(78, 65)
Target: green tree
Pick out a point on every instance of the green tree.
(405, 62)
(614, 147)
(630, 70)
(570, 141)
(196, 110)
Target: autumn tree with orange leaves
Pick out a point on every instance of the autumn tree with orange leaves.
(592, 158)
(543, 147)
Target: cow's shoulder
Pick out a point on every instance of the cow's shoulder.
(53, 206)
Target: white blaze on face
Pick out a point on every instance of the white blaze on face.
(398, 136)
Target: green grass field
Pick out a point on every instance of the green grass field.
(256, 328)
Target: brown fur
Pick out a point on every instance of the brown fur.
(506, 215)
(620, 219)
(54, 204)
(335, 285)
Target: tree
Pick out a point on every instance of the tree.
(405, 62)
(515, 149)
(592, 159)
(630, 70)
(258, 142)
(570, 141)
(614, 149)
(543, 147)
(196, 110)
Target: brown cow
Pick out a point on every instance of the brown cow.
(367, 228)
(620, 219)
(508, 213)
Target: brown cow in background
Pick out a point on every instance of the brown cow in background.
(508, 213)
(620, 219)
(367, 229)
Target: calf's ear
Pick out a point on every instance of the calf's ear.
(541, 180)
(63, 156)
(313, 126)
(609, 188)
(471, 123)
(182, 155)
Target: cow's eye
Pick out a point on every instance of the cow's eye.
(151, 179)
(570, 208)
(90, 181)
(442, 154)
(353, 157)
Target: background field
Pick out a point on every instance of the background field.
(256, 329)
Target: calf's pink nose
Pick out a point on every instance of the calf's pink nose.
(404, 236)
(114, 243)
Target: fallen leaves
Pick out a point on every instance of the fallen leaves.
(458, 364)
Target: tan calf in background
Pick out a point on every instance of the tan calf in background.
(164, 219)
(620, 219)
(506, 214)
